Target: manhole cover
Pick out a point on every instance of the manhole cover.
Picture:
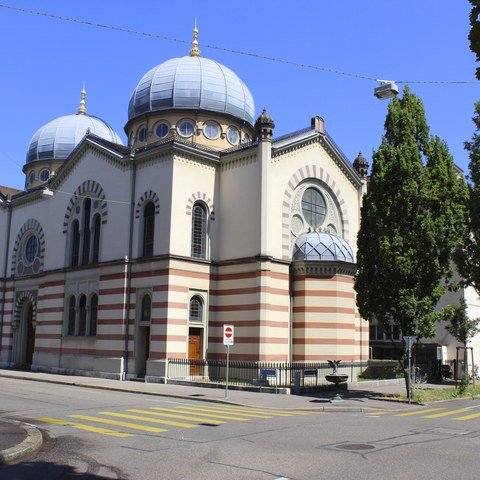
(355, 446)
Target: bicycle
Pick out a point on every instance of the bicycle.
(421, 376)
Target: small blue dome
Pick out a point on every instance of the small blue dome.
(192, 83)
(323, 247)
(57, 139)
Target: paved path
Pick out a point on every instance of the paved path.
(19, 439)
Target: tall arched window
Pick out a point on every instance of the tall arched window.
(71, 316)
(87, 207)
(75, 243)
(82, 316)
(96, 238)
(148, 229)
(146, 309)
(196, 310)
(93, 314)
(199, 231)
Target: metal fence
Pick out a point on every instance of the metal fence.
(259, 374)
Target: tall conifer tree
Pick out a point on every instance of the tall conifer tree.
(411, 222)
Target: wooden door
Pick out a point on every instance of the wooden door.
(30, 337)
(194, 353)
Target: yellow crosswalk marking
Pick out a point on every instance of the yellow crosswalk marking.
(212, 410)
(132, 426)
(79, 426)
(446, 414)
(468, 417)
(418, 412)
(151, 420)
(255, 411)
(223, 417)
(180, 417)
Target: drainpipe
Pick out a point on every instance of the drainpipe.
(128, 268)
(5, 265)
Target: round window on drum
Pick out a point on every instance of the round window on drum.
(313, 207)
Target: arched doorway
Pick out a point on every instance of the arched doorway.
(142, 340)
(24, 347)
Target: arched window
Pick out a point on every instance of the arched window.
(87, 207)
(313, 207)
(148, 229)
(75, 243)
(82, 316)
(71, 316)
(96, 238)
(93, 314)
(146, 309)
(196, 310)
(199, 231)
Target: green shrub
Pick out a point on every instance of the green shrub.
(378, 370)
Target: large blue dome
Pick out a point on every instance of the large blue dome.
(57, 139)
(322, 246)
(192, 82)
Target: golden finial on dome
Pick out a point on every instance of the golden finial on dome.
(194, 51)
(82, 110)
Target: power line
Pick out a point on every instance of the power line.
(230, 50)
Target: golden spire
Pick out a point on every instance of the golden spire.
(82, 109)
(194, 51)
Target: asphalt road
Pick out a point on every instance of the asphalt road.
(95, 434)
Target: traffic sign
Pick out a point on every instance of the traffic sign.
(228, 334)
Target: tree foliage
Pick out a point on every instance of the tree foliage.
(411, 222)
(474, 35)
(460, 326)
(468, 259)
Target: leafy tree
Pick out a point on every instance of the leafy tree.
(468, 259)
(411, 221)
(474, 35)
(460, 326)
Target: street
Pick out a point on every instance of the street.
(99, 434)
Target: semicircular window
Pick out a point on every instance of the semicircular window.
(313, 207)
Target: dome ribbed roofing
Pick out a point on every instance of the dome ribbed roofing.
(57, 139)
(322, 246)
(192, 82)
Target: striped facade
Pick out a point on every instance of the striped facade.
(137, 255)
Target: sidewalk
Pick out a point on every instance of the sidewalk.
(19, 439)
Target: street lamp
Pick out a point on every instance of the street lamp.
(386, 89)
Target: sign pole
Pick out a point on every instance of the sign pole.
(226, 378)
(228, 336)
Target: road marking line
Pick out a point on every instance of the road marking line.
(446, 414)
(238, 419)
(213, 410)
(418, 412)
(102, 431)
(254, 411)
(378, 413)
(181, 417)
(133, 426)
(468, 417)
(151, 420)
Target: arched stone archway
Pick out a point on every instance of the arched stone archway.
(24, 325)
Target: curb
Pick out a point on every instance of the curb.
(31, 444)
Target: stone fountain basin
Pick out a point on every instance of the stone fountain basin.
(336, 378)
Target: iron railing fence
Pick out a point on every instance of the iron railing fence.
(259, 374)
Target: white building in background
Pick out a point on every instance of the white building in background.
(116, 258)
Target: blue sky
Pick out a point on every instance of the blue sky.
(46, 61)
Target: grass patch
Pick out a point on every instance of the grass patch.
(426, 395)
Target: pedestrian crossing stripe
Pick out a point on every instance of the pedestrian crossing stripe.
(224, 412)
(118, 423)
(446, 414)
(418, 412)
(223, 417)
(151, 420)
(257, 411)
(468, 417)
(88, 428)
(193, 416)
(180, 417)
